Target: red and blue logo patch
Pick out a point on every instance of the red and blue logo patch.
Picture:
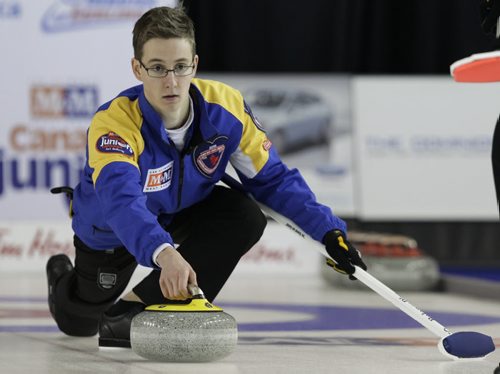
(160, 178)
(208, 155)
(113, 143)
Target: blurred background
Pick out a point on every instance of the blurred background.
(355, 93)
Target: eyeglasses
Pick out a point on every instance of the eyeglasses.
(158, 71)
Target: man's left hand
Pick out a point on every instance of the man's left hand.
(343, 252)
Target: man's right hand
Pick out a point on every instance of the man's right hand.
(175, 275)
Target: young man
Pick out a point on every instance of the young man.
(148, 193)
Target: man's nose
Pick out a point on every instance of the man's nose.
(170, 79)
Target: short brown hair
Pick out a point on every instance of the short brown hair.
(162, 22)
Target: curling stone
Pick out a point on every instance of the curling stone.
(189, 331)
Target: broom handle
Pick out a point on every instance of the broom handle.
(399, 302)
(429, 323)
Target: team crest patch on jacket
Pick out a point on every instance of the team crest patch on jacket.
(159, 179)
(207, 155)
(113, 143)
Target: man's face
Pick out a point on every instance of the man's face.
(168, 95)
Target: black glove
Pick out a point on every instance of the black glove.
(343, 252)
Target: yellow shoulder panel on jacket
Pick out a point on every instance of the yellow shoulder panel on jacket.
(253, 139)
(115, 135)
(219, 93)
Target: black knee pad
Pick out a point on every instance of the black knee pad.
(75, 317)
(76, 326)
(101, 275)
(84, 293)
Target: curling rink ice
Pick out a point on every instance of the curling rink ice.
(287, 324)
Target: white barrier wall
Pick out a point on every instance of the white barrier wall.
(422, 148)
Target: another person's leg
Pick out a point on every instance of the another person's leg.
(495, 159)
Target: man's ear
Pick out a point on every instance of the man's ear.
(136, 68)
(196, 59)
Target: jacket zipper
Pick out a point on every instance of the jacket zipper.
(180, 154)
(181, 180)
(180, 159)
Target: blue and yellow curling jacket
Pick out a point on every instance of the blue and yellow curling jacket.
(134, 177)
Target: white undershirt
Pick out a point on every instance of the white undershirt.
(178, 136)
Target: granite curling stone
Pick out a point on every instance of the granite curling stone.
(190, 331)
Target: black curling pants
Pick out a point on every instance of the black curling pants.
(213, 235)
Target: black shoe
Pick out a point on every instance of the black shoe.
(114, 330)
(56, 267)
